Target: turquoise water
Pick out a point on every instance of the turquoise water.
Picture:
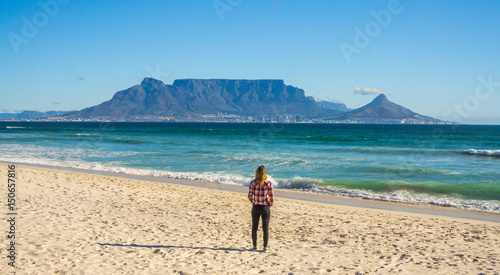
(439, 164)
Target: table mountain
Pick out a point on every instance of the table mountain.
(197, 97)
(237, 100)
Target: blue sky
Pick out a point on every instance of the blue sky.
(438, 58)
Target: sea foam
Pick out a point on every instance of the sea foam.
(296, 184)
(490, 153)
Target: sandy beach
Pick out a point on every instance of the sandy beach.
(80, 223)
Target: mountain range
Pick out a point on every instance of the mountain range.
(32, 114)
(236, 100)
(192, 98)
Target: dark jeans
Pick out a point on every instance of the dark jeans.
(265, 212)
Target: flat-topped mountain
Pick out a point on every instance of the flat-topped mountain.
(198, 97)
(237, 100)
(381, 110)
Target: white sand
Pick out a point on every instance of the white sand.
(77, 223)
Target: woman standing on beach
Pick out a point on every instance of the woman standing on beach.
(261, 195)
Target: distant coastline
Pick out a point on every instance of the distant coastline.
(230, 119)
(229, 100)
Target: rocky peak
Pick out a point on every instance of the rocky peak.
(381, 99)
(150, 83)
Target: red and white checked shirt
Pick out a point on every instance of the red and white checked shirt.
(261, 195)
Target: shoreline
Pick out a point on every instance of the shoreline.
(417, 209)
(73, 222)
(57, 119)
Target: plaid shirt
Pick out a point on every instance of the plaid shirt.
(261, 195)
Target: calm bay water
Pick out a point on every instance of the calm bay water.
(440, 164)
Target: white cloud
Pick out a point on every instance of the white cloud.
(369, 91)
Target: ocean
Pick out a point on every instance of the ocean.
(446, 165)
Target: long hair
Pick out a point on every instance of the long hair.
(260, 175)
